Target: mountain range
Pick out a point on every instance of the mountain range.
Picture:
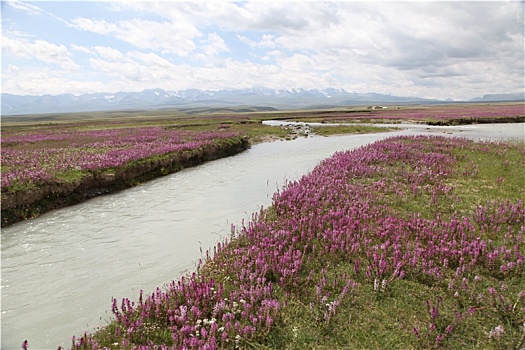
(264, 99)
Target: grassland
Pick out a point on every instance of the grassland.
(65, 161)
(408, 243)
(46, 157)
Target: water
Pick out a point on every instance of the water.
(61, 270)
(474, 131)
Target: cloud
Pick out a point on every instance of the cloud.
(279, 16)
(24, 6)
(108, 53)
(431, 49)
(139, 68)
(151, 59)
(105, 52)
(172, 37)
(12, 69)
(29, 81)
(40, 50)
(213, 45)
(30, 9)
(95, 26)
(266, 41)
(81, 48)
(125, 70)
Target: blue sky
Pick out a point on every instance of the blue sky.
(457, 50)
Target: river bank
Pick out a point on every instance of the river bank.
(21, 205)
(34, 192)
(60, 270)
(476, 120)
(412, 240)
(44, 167)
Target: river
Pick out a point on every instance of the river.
(61, 270)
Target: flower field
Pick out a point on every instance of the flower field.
(57, 153)
(438, 114)
(410, 242)
(45, 167)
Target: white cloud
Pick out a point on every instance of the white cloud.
(95, 26)
(140, 69)
(213, 45)
(247, 41)
(29, 81)
(108, 53)
(267, 41)
(40, 50)
(24, 6)
(124, 70)
(81, 48)
(172, 37)
(105, 52)
(12, 69)
(431, 49)
(150, 59)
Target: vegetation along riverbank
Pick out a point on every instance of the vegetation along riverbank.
(59, 166)
(407, 243)
(50, 166)
(54, 160)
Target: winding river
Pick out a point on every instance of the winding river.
(61, 270)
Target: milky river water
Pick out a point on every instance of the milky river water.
(60, 271)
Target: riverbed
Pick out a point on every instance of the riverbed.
(60, 270)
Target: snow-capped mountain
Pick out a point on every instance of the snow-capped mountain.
(165, 99)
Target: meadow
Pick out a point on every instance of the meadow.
(68, 147)
(408, 243)
(46, 166)
(457, 114)
(56, 166)
(64, 153)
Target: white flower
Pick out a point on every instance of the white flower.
(294, 331)
(237, 340)
(496, 332)
(383, 284)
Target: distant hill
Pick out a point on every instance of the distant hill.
(255, 98)
(193, 98)
(500, 97)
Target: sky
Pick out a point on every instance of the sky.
(457, 50)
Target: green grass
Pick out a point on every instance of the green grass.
(384, 319)
(498, 173)
(347, 129)
(71, 176)
(396, 315)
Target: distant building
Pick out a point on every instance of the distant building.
(376, 107)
